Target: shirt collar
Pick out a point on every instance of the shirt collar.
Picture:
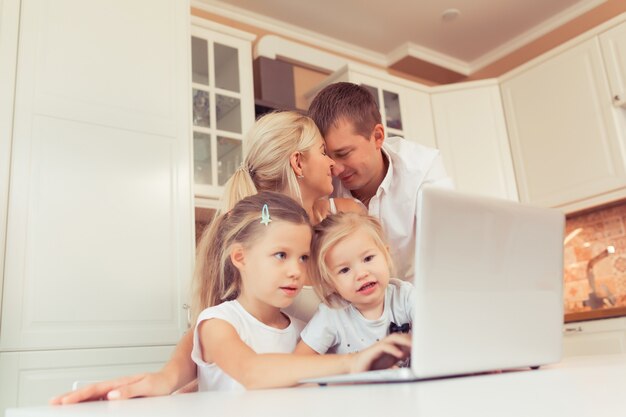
(385, 185)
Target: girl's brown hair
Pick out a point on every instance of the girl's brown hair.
(215, 278)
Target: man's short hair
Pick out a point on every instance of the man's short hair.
(345, 101)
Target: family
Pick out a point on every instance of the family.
(315, 222)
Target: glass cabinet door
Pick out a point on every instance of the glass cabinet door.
(222, 102)
(388, 102)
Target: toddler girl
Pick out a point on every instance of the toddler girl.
(254, 267)
(351, 274)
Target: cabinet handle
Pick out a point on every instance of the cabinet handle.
(188, 308)
(577, 329)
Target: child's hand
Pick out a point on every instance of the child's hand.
(383, 354)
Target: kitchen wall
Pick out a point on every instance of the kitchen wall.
(590, 233)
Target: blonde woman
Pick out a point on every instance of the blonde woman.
(286, 154)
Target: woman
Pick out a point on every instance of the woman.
(286, 154)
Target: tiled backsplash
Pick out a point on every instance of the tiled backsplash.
(587, 236)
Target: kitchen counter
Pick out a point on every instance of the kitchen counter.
(580, 386)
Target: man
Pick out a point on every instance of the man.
(384, 174)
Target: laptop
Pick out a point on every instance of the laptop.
(489, 281)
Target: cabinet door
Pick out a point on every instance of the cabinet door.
(565, 141)
(602, 337)
(32, 378)
(223, 107)
(472, 138)
(613, 43)
(100, 237)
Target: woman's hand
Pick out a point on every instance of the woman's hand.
(142, 385)
(383, 354)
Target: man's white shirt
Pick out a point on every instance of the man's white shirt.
(411, 166)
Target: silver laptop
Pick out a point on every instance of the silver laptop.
(489, 276)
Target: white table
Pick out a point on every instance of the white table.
(583, 386)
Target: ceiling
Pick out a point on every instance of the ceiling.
(482, 32)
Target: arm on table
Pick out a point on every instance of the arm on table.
(179, 371)
(221, 345)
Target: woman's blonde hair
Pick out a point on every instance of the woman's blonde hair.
(215, 278)
(266, 167)
(328, 233)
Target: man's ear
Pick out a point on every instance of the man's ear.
(295, 160)
(379, 135)
(237, 255)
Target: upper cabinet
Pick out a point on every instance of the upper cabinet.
(405, 109)
(472, 137)
(567, 138)
(613, 43)
(223, 105)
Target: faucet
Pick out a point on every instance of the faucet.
(595, 301)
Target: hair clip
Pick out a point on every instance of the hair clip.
(265, 215)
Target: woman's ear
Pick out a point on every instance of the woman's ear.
(295, 160)
(237, 255)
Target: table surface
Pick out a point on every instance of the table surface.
(581, 386)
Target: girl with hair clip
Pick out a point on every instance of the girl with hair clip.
(254, 268)
(351, 272)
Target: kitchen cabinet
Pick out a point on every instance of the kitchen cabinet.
(472, 137)
(404, 106)
(99, 238)
(567, 139)
(613, 43)
(222, 102)
(32, 378)
(9, 19)
(597, 337)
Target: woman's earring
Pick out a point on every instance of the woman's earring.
(300, 176)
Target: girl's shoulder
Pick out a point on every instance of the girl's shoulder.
(399, 290)
(324, 207)
(350, 205)
(230, 311)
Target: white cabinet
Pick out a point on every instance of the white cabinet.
(567, 139)
(99, 239)
(404, 107)
(472, 137)
(222, 103)
(613, 43)
(32, 378)
(597, 337)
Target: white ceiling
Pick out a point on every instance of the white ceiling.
(484, 31)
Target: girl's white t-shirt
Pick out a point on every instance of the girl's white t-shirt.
(345, 330)
(260, 337)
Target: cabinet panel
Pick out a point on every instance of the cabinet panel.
(32, 378)
(564, 138)
(613, 43)
(222, 105)
(99, 246)
(599, 337)
(472, 138)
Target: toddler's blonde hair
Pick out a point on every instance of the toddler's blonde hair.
(330, 231)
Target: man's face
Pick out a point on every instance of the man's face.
(356, 157)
